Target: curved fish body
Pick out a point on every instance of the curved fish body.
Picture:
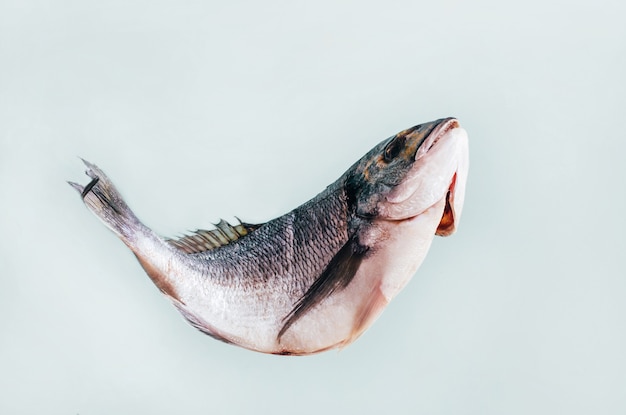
(317, 277)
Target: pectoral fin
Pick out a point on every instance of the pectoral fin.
(337, 275)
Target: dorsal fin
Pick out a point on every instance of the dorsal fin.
(203, 240)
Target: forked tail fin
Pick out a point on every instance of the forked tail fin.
(103, 199)
(154, 254)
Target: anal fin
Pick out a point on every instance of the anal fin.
(200, 324)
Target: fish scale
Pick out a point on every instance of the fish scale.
(315, 278)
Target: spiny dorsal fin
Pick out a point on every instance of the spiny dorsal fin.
(205, 240)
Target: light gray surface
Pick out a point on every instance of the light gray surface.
(200, 111)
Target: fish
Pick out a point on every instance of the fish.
(317, 277)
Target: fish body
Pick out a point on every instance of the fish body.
(315, 278)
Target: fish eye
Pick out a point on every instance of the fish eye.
(393, 148)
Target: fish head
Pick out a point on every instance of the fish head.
(412, 171)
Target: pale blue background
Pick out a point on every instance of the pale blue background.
(201, 110)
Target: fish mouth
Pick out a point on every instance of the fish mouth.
(449, 219)
(438, 175)
(439, 131)
(447, 222)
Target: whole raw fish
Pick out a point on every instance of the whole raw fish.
(317, 277)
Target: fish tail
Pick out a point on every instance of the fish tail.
(102, 198)
(154, 254)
